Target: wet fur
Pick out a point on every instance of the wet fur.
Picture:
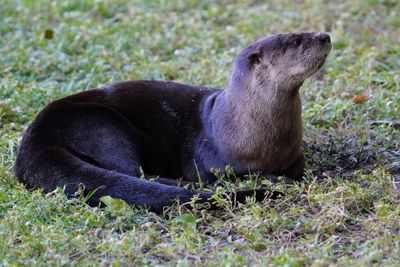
(102, 138)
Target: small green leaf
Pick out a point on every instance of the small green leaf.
(186, 219)
(119, 206)
(259, 247)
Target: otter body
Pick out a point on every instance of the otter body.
(105, 138)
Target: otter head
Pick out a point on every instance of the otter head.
(281, 61)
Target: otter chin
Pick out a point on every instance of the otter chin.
(105, 139)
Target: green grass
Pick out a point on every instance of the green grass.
(345, 213)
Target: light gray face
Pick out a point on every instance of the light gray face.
(288, 58)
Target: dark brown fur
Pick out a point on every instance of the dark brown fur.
(102, 138)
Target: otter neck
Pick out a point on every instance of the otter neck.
(252, 123)
(274, 103)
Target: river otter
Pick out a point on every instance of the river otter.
(104, 138)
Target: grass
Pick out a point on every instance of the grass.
(345, 213)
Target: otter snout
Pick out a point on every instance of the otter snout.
(324, 38)
(314, 49)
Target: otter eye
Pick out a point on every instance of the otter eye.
(296, 41)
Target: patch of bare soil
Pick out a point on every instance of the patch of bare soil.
(348, 157)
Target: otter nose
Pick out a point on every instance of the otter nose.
(324, 38)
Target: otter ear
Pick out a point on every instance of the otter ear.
(254, 57)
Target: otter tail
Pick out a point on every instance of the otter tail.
(53, 167)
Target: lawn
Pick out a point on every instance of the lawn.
(346, 212)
